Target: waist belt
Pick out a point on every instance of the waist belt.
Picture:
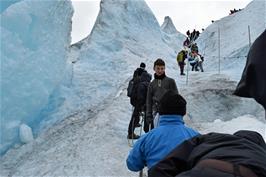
(227, 167)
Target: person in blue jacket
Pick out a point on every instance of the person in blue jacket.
(157, 143)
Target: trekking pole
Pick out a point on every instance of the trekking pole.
(187, 72)
(249, 39)
(219, 51)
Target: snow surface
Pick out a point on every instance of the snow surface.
(90, 139)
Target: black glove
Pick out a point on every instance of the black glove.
(143, 108)
(149, 119)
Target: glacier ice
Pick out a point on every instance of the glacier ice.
(35, 36)
(25, 133)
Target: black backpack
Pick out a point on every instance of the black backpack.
(136, 77)
(130, 87)
(134, 92)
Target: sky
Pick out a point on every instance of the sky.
(186, 15)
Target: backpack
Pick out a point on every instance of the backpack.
(180, 56)
(131, 83)
(130, 87)
(134, 92)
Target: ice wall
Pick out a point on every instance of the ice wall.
(125, 33)
(35, 36)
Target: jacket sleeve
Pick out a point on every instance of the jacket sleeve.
(136, 158)
(253, 82)
(149, 101)
(176, 161)
(173, 85)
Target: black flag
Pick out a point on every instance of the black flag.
(253, 81)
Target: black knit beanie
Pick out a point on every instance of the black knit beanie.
(142, 65)
(172, 103)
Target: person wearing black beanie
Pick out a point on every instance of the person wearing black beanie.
(157, 143)
(172, 103)
(141, 79)
(142, 65)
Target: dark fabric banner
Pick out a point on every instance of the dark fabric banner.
(253, 81)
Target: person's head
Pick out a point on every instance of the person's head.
(184, 51)
(142, 65)
(159, 67)
(171, 103)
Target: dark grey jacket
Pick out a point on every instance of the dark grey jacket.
(253, 81)
(244, 147)
(155, 90)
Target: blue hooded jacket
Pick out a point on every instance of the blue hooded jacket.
(156, 144)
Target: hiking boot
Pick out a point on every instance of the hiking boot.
(183, 74)
(138, 125)
(133, 136)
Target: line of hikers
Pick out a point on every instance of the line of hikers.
(144, 95)
(192, 36)
(194, 58)
(234, 11)
(172, 149)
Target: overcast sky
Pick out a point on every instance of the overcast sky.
(186, 14)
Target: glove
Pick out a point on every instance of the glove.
(149, 119)
(143, 108)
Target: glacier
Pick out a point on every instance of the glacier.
(125, 32)
(91, 97)
(35, 39)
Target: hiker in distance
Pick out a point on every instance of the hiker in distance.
(159, 85)
(157, 143)
(181, 57)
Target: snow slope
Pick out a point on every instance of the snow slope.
(92, 141)
(234, 37)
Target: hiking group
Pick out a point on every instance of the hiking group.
(191, 53)
(144, 95)
(169, 148)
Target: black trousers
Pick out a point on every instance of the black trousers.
(134, 120)
(181, 66)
